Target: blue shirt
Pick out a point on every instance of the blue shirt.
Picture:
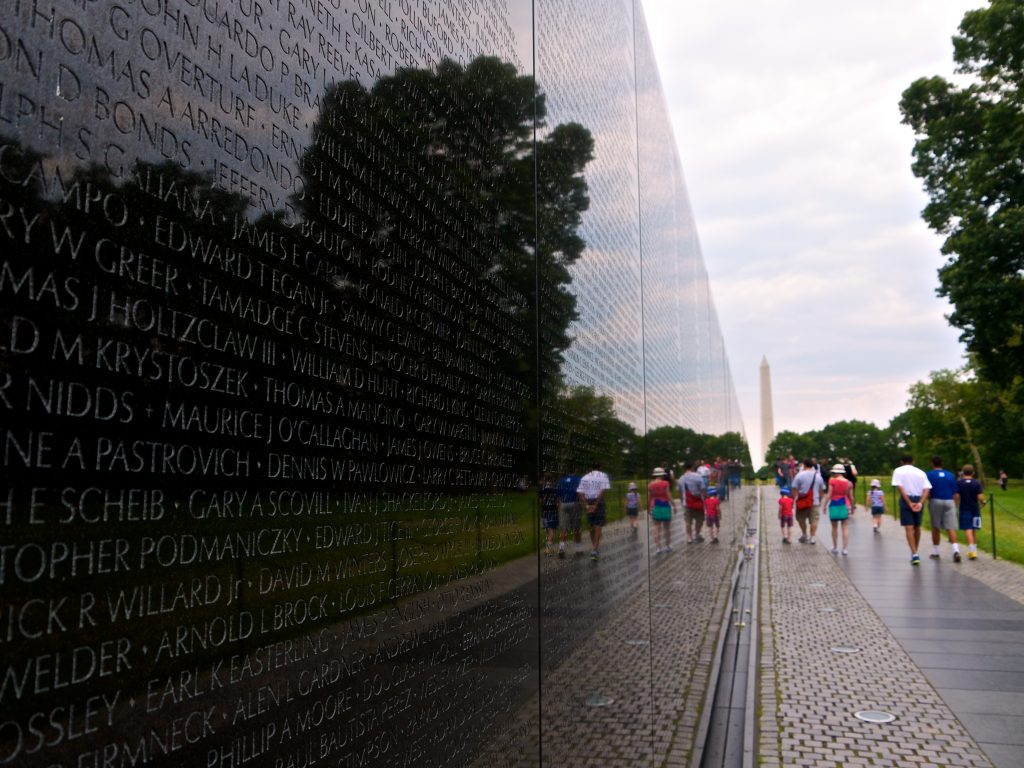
(943, 484)
(567, 488)
(970, 490)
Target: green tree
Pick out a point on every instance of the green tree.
(970, 154)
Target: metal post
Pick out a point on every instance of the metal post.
(992, 518)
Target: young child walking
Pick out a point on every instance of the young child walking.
(633, 507)
(712, 513)
(786, 514)
(549, 512)
(876, 501)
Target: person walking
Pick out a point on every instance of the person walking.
(569, 516)
(876, 501)
(840, 503)
(692, 490)
(591, 497)
(807, 487)
(786, 514)
(659, 496)
(971, 498)
(712, 513)
(633, 508)
(913, 485)
(942, 508)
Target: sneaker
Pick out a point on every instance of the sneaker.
(877, 529)
(834, 550)
(593, 555)
(715, 540)
(698, 539)
(689, 541)
(933, 556)
(561, 553)
(784, 541)
(845, 552)
(956, 557)
(972, 555)
(915, 560)
(668, 550)
(810, 540)
(803, 538)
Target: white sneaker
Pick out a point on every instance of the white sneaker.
(845, 553)
(810, 540)
(835, 550)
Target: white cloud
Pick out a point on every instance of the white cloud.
(798, 171)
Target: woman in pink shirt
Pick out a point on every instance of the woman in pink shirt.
(840, 502)
(659, 496)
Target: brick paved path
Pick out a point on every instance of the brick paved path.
(809, 692)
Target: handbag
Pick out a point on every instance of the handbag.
(806, 500)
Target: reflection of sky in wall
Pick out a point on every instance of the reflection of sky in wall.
(585, 66)
(149, 85)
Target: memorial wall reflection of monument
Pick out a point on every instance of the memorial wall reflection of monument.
(299, 301)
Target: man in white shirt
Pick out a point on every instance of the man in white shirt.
(913, 485)
(591, 495)
(807, 487)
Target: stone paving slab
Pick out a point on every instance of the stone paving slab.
(808, 693)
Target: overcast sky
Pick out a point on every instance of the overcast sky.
(798, 168)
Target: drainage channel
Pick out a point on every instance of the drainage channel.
(726, 732)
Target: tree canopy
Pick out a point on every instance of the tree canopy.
(970, 154)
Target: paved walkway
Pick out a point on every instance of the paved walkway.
(940, 648)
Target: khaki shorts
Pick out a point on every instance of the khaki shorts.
(694, 515)
(807, 515)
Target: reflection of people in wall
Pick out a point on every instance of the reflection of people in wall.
(633, 507)
(659, 494)
(591, 494)
(548, 512)
(691, 488)
(569, 511)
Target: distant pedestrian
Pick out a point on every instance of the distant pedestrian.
(712, 513)
(913, 488)
(548, 512)
(786, 514)
(971, 498)
(569, 515)
(659, 494)
(942, 508)
(1003, 477)
(691, 489)
(591, 495)
(840, 503)
(876, 501)
(807, 488)
(850, 473)
(633, 507)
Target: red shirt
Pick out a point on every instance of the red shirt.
(711, 505)
(785, 506)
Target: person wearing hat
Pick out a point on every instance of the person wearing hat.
(876, 500)
(712, 513)
(786, 514)
(840, 502)
(659, 493)
(633, 507)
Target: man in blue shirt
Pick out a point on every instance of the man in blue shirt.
(569, 516)
(942, 508)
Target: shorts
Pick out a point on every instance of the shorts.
(712, 521)
(970, 521)
(807, 515)
(596, 518)
(942, 513)
(661, 512)
(786, 521)
(878, 511)
(633, 511)
(549, 520)
(908, 516)
(569, 515)
(694, 515)
(838, 512)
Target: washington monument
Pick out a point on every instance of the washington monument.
(767, 422)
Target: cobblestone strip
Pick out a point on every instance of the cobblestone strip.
(810, 692)
(768, 734)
